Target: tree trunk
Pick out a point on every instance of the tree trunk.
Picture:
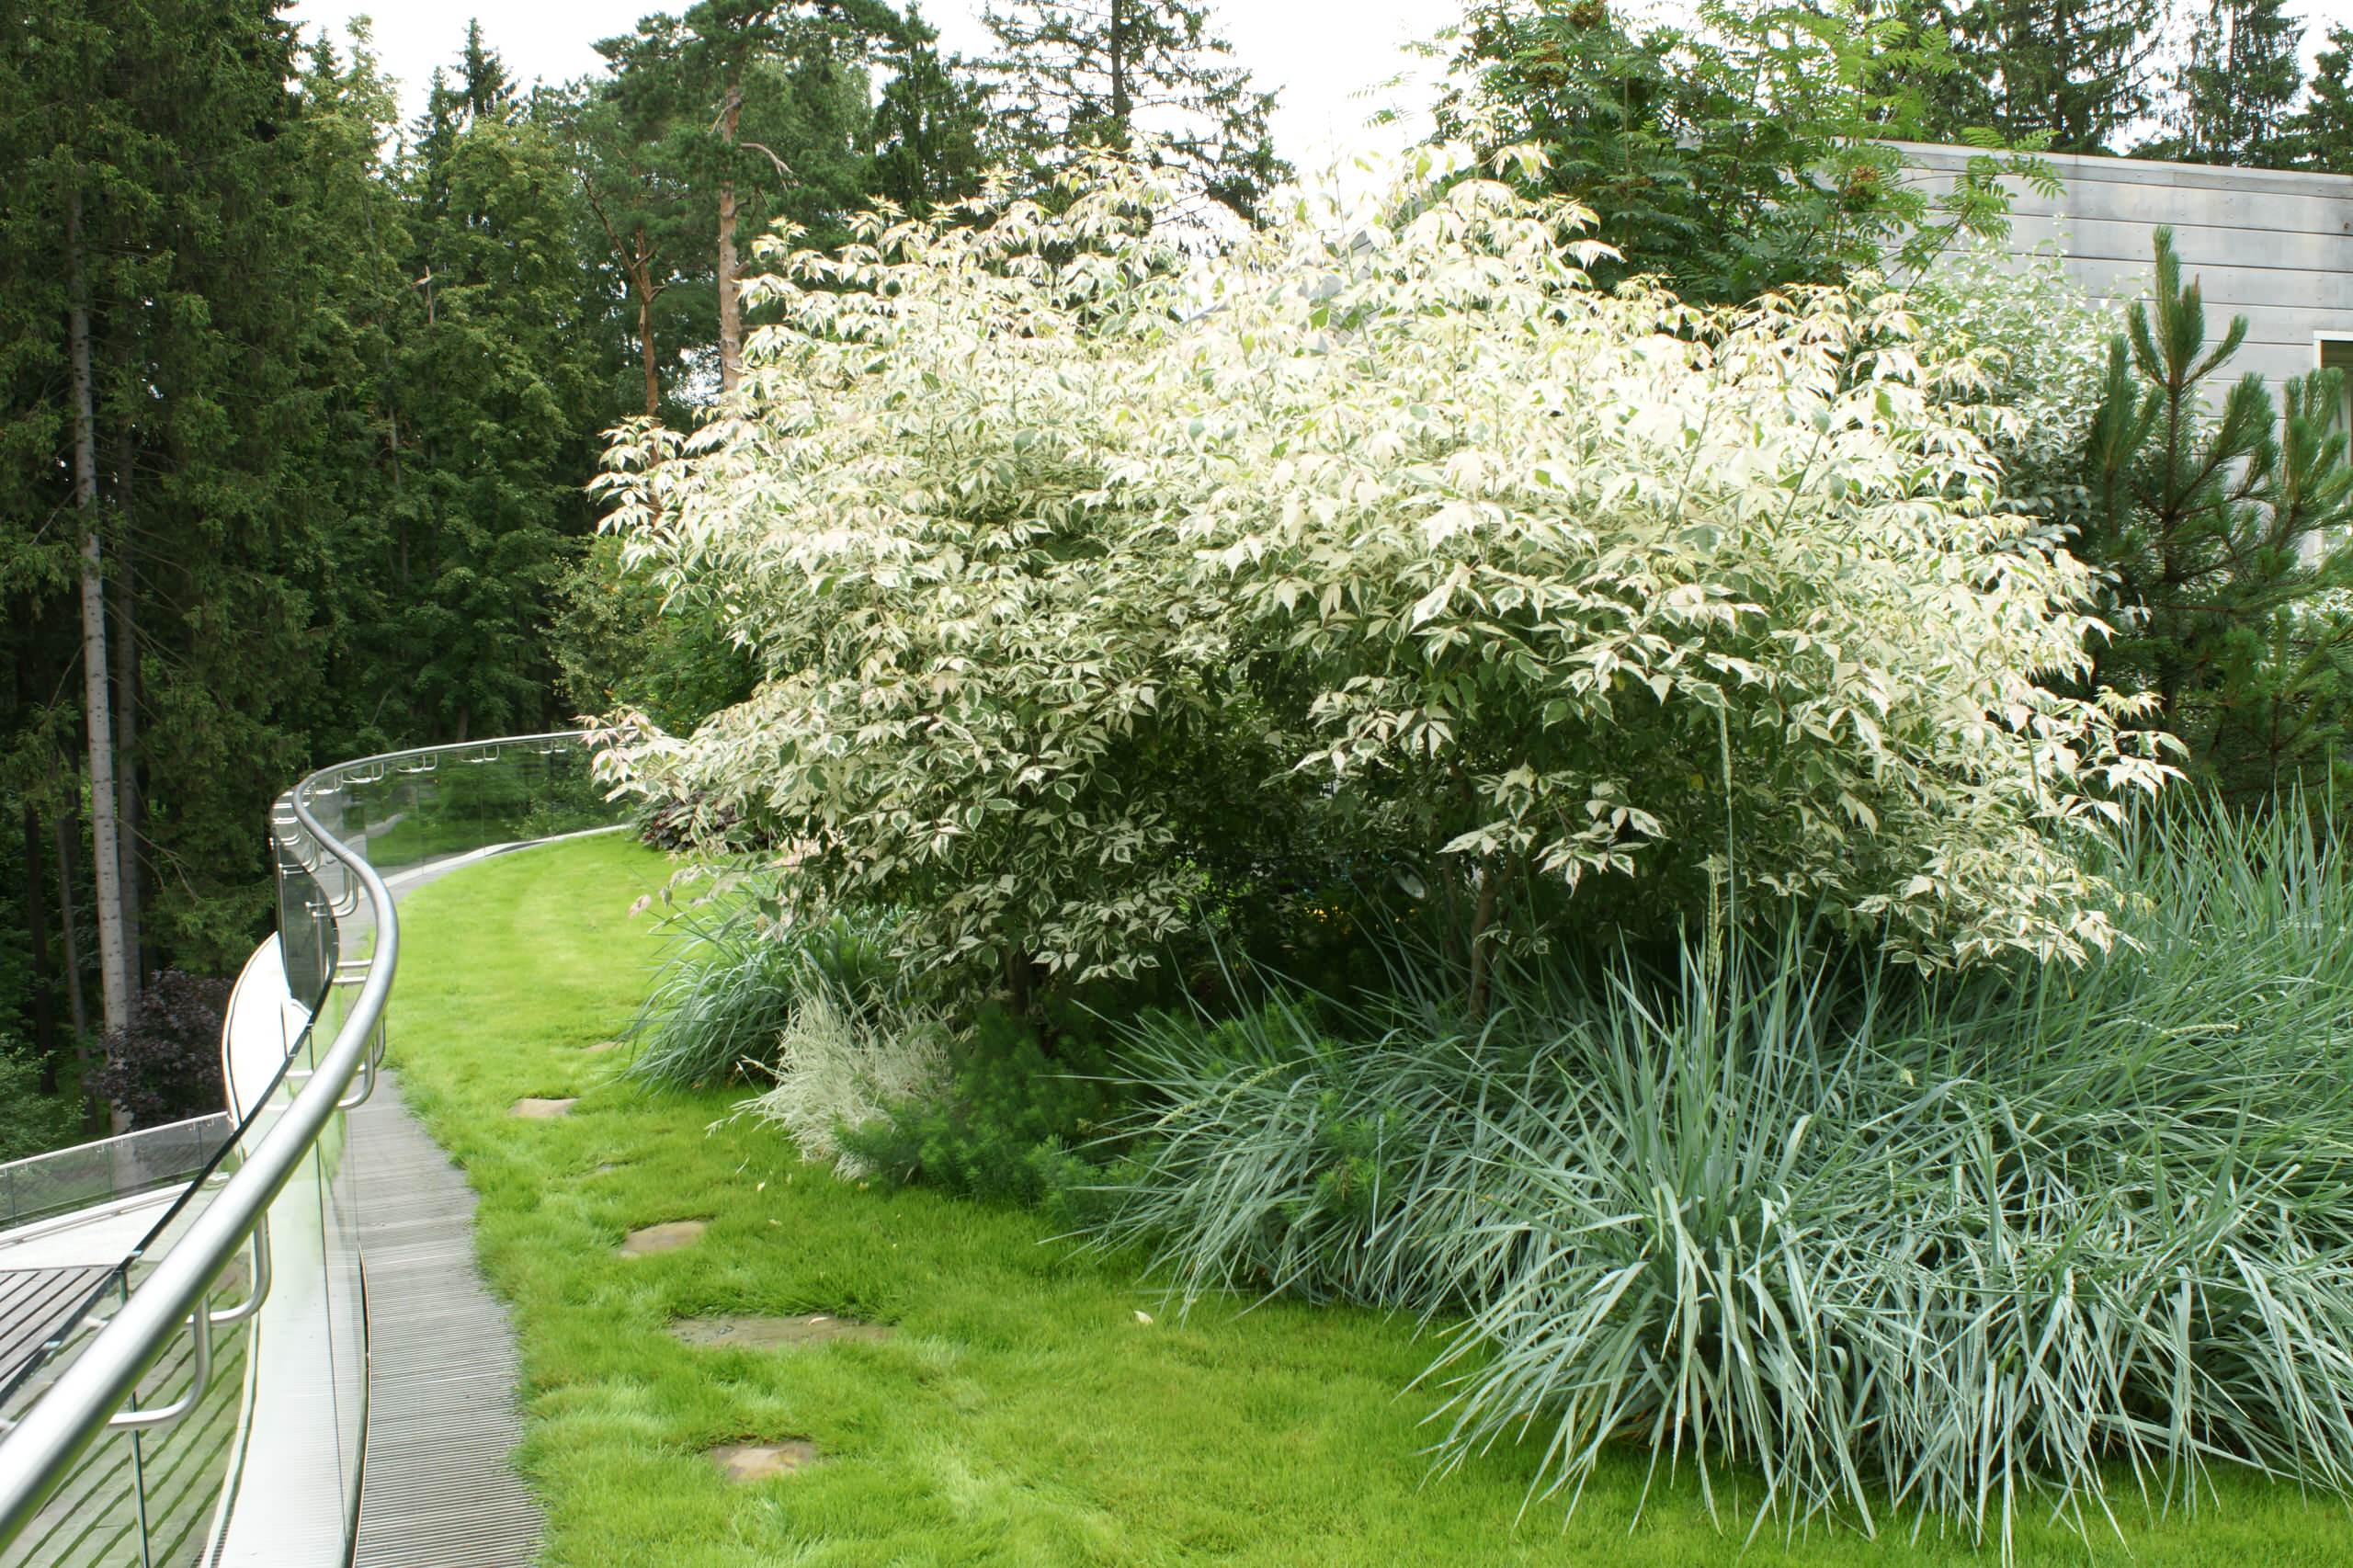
(1483, 937)
(731, 308)
(121, 587)
(97, 710)
(44, 997)
(79, 1009)
(641, 280)
(1020, 981)
(1120, 109)
(400, 514)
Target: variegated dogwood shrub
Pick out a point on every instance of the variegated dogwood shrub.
(1091, 582)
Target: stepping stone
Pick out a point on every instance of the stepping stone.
(745, 1462)
(541, 1110)
(667, 1238)
(601, 1047)
(763, 1333)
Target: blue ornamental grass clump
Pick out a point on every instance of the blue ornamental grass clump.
(1912, 1253)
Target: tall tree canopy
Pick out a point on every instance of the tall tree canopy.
(1072, 74)
(297, 407)
(1738, 152)
(2235, 92)
(2321, 134)
(763, 113)
(2073, 75)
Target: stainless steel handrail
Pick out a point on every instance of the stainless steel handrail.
(547, 742)
(200, 1324)
(40, 1449)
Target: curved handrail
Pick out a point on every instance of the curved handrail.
(40, 1449)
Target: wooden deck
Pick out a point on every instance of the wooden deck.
(439, 1487)
(36, 1303)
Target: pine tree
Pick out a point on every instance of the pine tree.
(2321, 135)
(2231, 98)
(762, 111)
(1072, 74)
(642, 228)
(2223, 536)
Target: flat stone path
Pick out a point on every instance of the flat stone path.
(441, 1488)
(757, 1333)
(746, 1462)
(667, 1238)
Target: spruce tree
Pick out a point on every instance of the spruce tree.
(356, 299)
(930, 125)
(496, 400)
(1074, 74)
(154, 159)
(2321, 134)
(2073, 75)
(2232, 97)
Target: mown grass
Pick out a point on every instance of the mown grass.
(1022, 1414)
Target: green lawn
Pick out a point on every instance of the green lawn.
(1023, 1414)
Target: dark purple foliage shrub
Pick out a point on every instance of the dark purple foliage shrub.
(167, 1065)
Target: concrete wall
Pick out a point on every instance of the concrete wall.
(2274, 246)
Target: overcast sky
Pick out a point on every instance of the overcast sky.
(1315, 54)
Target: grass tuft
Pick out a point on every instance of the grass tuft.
(721, 1006)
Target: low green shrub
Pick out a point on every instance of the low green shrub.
(722, 1001)
(1019, 1102)
(31, 1122)
(1945, 1248)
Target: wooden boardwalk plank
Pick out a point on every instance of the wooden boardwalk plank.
(439, 1487)
(36, 1303)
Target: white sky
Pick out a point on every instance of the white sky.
(1314, 54)
(1317, 56)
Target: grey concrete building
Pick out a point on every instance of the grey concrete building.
(2273, 245)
